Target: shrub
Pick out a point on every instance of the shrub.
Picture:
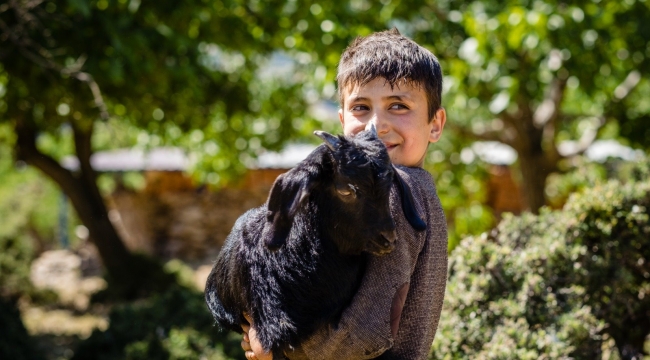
(23, 196)
(557, 285)
(15, 343)
(172, 325)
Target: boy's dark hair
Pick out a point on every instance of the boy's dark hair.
(396, 58)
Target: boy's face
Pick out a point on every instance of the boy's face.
(400, 115)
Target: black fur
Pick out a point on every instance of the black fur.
(296, 262)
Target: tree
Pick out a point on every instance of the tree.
(200, 71)
(531, 74)
(191, 73)
(76, 64)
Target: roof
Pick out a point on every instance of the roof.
(175, 159)
(163, 159)
(493, 152)
(287, 158)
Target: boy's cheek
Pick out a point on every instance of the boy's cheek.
(352, 127)
(395, 157)
(352, 132)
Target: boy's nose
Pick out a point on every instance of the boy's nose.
(381, 123)
(370, 124)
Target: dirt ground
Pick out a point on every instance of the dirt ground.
(74, 277)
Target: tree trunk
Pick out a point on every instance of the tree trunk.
(86, 199)
(534, 172)
(535, 165)
(629, 349)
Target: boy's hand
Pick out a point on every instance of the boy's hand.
(251, 345)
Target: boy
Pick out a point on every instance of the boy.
(391, 81)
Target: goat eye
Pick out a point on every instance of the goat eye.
(346, 190)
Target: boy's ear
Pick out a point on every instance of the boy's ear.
(341, 118)
(437, 124)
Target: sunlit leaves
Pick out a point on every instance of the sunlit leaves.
(556, 285)
(245, 73)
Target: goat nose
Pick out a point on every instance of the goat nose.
(372, 125)
(389, 235)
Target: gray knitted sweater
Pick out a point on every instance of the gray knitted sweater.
(404, 289)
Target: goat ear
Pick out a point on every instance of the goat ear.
(289, 192)
(330, 140)
(408, 204)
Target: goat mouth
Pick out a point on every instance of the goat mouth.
(381, 247)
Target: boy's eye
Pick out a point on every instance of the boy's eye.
(359, 108)
(398, 107)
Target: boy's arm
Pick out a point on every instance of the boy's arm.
(423, 306)
(416, 268)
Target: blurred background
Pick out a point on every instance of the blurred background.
(133, 134)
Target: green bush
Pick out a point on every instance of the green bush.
(29, 210)
(558, 285)
(24, 200)
(172, 325)
(15, 343)
(16, 248)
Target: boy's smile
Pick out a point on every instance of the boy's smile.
(400, 115)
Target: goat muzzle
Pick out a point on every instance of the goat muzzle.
(383, 244)
(389, 235)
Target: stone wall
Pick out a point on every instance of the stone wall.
(180, 221)
(504, 194)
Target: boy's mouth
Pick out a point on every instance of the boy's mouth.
(390, 146)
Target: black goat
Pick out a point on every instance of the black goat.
(296, 262)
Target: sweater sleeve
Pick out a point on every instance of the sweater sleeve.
(364, 330)
(423, 305)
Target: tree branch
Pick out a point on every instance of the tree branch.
(83, 149)
(586, 140)
(28, 152)
(631, 81)
(257, 18)
(499, 136)
(589, 136)
(547, 112)
(547, 116)
(42, 56)
(507, 118)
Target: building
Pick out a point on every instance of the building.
(172, 217)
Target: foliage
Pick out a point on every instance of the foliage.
(581, 175)
(197, 85)
(15, 343)
(28, 209)
(172, 325)
(514, 76)
(555, 285)
(461, 187)
(183, 73)
(16, 255)
(228, 79)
